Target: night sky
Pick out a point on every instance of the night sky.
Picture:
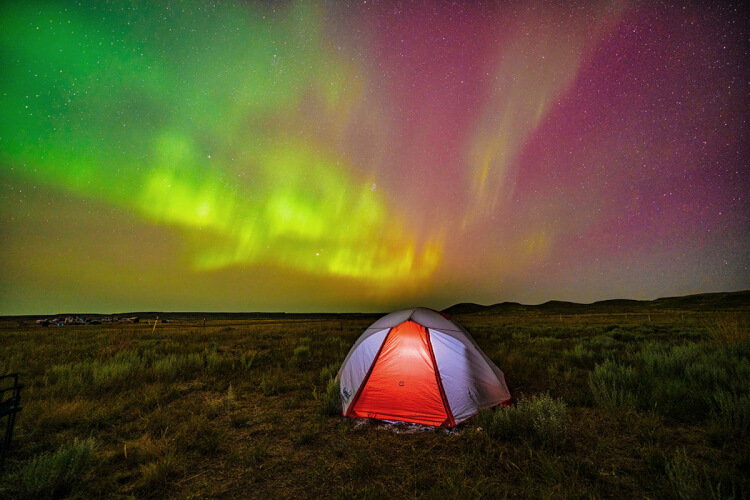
(368, 156)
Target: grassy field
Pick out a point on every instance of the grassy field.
(654, 404)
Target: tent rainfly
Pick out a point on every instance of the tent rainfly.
(418, 366)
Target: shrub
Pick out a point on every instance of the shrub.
(503, 423)
(301, 353)
(330, 400)
(614, 385)
(547, 417)
(53, 475)
(662, 360)
(540, 419)
(674, 397)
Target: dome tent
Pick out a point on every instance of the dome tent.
(418, 366)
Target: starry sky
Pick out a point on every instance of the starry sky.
(367, 156)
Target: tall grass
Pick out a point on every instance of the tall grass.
(688, 382)
(692, 483)
(174, 365)
(96, 375)
(123, 365)
(729, 329)
(214, 360)
(53, 475)
(732, 412)
(127, 367)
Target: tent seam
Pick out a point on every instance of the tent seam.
(443, 396)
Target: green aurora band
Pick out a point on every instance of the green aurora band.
(189, 127)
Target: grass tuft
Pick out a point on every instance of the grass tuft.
(53, 475)
(247, 358)
(258, 453)
(157, 473)
(301, 353)
(329, 371)
(271, 384)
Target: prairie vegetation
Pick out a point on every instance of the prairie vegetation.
(608, 405)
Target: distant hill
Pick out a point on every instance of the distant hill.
(471, 308)
(724, 301)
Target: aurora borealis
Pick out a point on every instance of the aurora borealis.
(340, 156)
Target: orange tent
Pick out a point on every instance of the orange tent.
(418, 366)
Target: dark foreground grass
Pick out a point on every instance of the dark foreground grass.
(607, 406)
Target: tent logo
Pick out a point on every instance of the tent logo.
(346, 394)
